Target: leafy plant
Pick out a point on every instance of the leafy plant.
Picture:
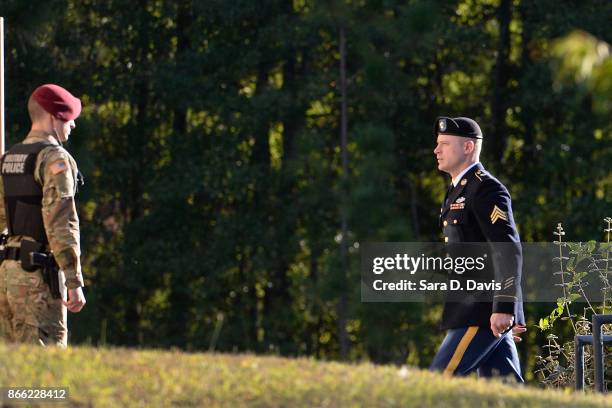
(577, 261)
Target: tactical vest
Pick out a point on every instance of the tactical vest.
(22, 194)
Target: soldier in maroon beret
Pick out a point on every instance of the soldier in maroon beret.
(42, 252)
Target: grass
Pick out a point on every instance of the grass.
(118, 377)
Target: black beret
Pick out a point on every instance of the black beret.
(464, 127)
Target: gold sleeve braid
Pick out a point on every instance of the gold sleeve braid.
(56, 170)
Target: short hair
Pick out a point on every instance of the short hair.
(36, 112)
(477, 148)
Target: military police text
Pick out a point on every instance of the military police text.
(14, 163)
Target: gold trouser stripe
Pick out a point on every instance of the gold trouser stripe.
(460, 350)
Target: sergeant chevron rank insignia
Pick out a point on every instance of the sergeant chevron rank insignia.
(497, 214)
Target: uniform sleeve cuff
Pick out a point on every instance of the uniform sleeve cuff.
(503, 307)
(74, 278)
(74, 283)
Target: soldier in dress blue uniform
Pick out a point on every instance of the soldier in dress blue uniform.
(477, 208)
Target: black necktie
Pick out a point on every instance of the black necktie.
(448, 193)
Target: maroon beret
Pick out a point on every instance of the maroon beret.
(58, 101)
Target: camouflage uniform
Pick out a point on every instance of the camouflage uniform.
(28, 313)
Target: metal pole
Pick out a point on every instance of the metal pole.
(579, 343)
(598, 355)
(1, 85)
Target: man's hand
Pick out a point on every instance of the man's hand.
(501, 322)
(76, 300)
(518, 329)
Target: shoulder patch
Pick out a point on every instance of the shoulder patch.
(58, 166)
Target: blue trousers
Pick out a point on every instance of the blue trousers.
(468, 349)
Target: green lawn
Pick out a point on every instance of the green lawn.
(117, 377)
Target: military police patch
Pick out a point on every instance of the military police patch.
(442, 125)
(14, 164)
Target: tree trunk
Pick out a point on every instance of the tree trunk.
(499, 104)
(341, 308)
(526, 114)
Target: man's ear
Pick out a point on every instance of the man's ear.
(469, 146)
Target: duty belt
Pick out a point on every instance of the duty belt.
(11, 253)
(33, 257)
